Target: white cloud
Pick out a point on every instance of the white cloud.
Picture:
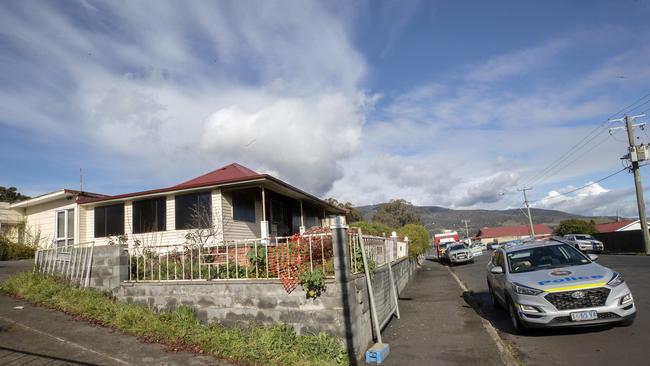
(151, 85)
(303, 140)
(592, 200)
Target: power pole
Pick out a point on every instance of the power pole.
(530, 217)
(635, 155)
(467, 231)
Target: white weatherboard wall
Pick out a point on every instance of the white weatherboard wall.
(41, 219)
(170, 236)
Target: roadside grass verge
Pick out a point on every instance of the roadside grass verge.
(180, 329)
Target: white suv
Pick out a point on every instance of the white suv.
(585, 243)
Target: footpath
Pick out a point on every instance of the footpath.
(437, 327)
(31, 335)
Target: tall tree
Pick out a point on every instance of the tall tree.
(397, 213)
(352, 214)
(11, 195)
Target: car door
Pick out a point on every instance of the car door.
(498, 282)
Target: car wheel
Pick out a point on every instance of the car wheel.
(495, 302)
(514, 318)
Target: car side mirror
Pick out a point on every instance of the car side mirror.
(496, 270)
(593, 257)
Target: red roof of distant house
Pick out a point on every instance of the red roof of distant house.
(517, 230)
(612, 226)
(227, 173)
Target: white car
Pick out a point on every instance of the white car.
(545, 284)
(585, 243)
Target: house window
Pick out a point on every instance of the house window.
(243, 207)
(109, 220)
(64, 227)
(149, 215)
(194, 211)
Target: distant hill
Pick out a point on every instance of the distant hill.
(446, 218)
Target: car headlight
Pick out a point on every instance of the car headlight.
(529, 308)
(626, 299)
(525, 290)
(616, 280)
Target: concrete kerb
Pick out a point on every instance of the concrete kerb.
(505, 350)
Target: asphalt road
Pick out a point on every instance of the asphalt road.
(585, 346)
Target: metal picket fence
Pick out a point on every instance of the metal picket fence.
(231, 260)
(70, 262)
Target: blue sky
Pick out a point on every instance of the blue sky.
(439, 102)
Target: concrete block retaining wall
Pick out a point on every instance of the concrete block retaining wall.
(261, 301)
(110, 267)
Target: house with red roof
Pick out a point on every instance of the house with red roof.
(506, 233)
(233, 201)
(623, 225)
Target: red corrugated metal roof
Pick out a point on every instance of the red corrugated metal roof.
(227, 173)
(612, 226)
(517, 230)
(233, 173)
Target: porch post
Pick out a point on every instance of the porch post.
(302, 220)
(264, 225)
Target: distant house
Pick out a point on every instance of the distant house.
(507, 233)
(10, 220)
(625, 225)
(239, 202)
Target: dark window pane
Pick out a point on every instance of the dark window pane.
(60, 224)
(193, 210)
(149, 215)
(70, 223)
(109, 220)
(243, 207)
(100, 222)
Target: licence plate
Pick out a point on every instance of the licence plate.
(581, 316)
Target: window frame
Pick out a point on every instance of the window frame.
(105, 233)
(158, 216)
(68, 235)
(187, 225)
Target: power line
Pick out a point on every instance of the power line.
(584, 141)
(560, 168)
(583, 187)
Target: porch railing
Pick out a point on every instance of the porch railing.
(271, 258)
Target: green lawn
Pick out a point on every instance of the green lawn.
(254, 344)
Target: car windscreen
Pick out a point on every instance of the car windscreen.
(584, 237)
(544, 257)
(455, 247)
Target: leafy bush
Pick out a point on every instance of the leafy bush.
(372, 228)
(419, 240)
(12, 251)
(255, 344)
(313, 282)
(575, 226)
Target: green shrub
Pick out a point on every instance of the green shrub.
(419, 240)
(13, 251)
(373, 228)
(254, 344)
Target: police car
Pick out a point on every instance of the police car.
(545, 284)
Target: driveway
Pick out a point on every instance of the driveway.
(32, 335)
(586, 346)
